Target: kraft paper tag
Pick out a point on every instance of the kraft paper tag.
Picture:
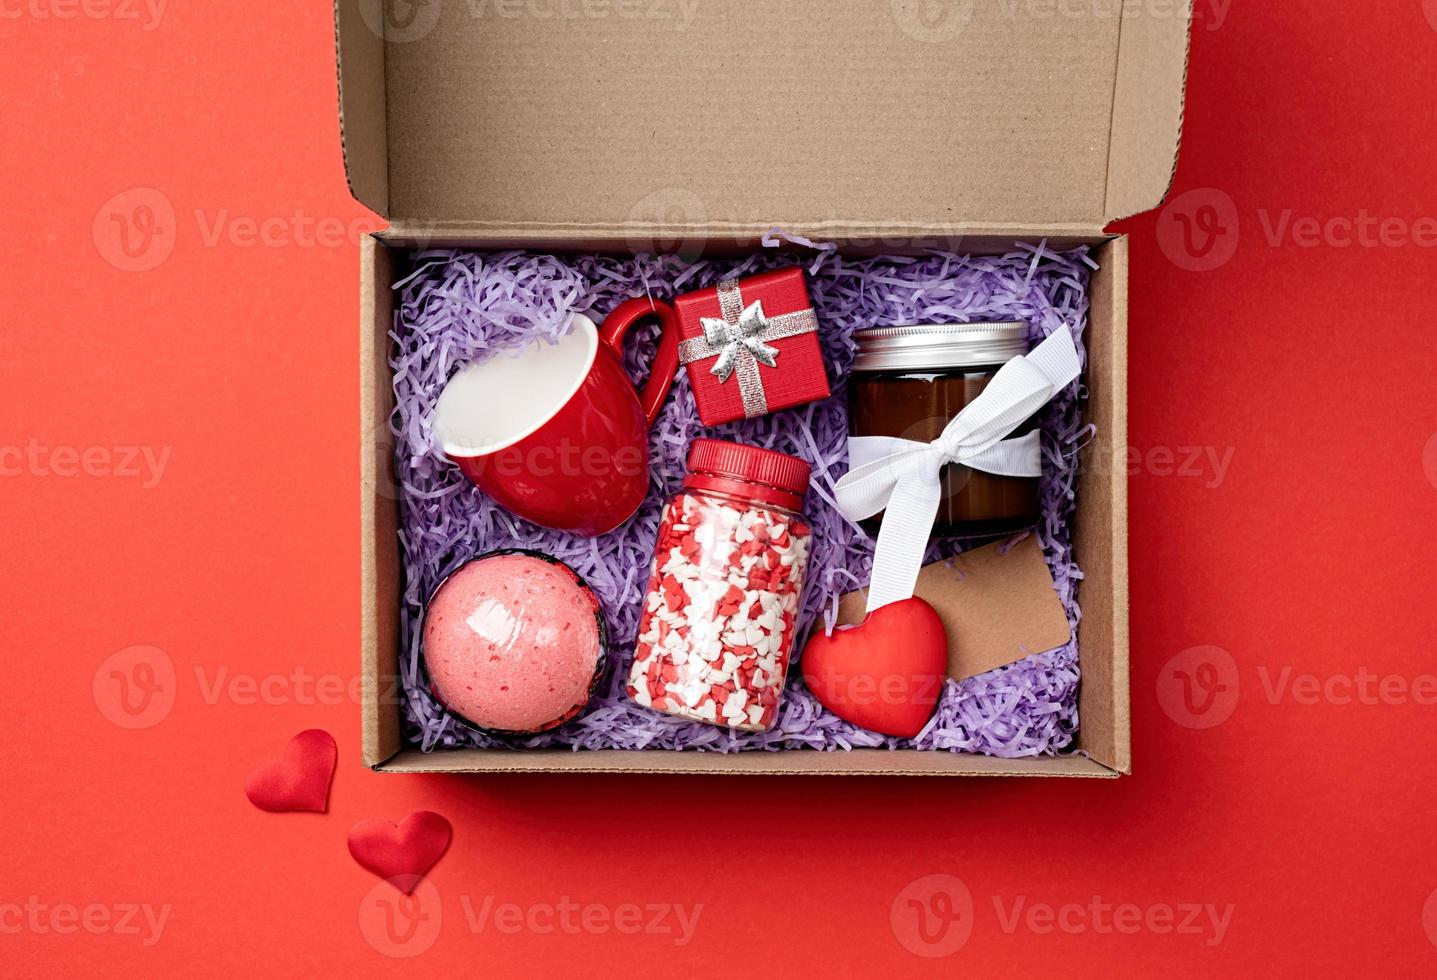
(996, 608)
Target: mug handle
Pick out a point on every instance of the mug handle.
(666, 358)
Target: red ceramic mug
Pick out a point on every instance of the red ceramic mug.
(555, 432)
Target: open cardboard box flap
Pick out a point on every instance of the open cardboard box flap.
(621, 119)
(597, 124)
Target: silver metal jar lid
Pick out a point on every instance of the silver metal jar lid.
(939, 345)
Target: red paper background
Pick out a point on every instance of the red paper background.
(1301, 344)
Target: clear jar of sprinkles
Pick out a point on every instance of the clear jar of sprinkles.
(719, 616)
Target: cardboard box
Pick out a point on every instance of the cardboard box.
(596, 125)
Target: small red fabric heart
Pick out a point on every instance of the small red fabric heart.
(404, 854)
(300, 781)
(884, 674)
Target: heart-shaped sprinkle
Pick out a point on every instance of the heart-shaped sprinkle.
(299, 782)
(401, 854)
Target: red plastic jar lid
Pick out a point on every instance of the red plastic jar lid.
(748, 471)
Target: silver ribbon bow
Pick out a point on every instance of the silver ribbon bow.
(901, 477)
(739, 339)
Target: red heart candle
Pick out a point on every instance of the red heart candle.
(884, 674)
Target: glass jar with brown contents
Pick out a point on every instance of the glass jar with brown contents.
(910, 381)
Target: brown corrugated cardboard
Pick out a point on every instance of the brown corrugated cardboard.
(359, 55)
(876, 129)
(827, 115)
(1100, 543)
(380, 574)
(1100, 530)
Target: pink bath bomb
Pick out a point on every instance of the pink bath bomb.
(513, 643)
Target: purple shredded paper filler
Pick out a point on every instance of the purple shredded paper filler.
(459, 306)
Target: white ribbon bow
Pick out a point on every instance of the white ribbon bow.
(901, 477)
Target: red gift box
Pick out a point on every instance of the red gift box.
(751, 346)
